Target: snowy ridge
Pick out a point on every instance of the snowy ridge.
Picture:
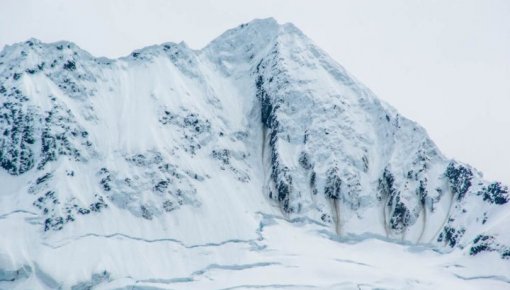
(172, 168)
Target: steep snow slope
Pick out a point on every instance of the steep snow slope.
(175, 168)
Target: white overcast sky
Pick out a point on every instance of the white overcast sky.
(444, 64)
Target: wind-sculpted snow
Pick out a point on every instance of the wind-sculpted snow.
(256, 162)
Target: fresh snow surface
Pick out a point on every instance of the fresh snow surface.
(256, 162)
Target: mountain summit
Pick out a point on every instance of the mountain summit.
(256, 162)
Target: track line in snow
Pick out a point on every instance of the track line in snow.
(271, 286)
(496, 278)
(178, 242)
(5, 215)
(203, 271)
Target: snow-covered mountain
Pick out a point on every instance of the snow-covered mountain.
(256, 162)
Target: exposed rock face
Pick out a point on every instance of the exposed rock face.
(190, 146)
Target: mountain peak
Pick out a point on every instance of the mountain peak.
(268, 24)
(257, 30)
(249, 36)
(262, 22)
(252, 41)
